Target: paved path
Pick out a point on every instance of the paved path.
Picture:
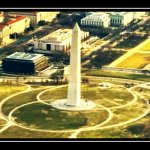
(9, 97)
(9, 123)
(75, 132)
(2, 116)
(6, 126)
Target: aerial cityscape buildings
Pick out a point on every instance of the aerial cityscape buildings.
(24, 63)
(75, 74)
(10, 25)
(59, 40)
(35, 17)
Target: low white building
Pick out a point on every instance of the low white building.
(35, 16)
(121, 18)
(60, 40)
(10, 25)
(96, 19)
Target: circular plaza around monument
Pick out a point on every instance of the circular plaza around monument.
(62, 104)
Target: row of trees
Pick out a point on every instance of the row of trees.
(102, 57)
(97, 31)
(30, 28)
(61, 57)
(69, 19)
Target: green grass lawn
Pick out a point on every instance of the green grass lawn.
(8, 89)
(19, 100)
(17, 132)
(50, 118)
(114, 133)
(137, 61)
(123, 75)
(120, 115)
(41, 116)
(2, 122)
(55, 94)
(108, 97)
(143, 91)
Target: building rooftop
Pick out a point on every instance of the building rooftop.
(59, 35)
(24, 56)
(15, 19)
(32, 13)
(98, 15)
(11, 20)
(118, 13)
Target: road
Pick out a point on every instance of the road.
(20, 43)
(112, 36)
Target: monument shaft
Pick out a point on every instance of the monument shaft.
(74, 101)
(74, 89)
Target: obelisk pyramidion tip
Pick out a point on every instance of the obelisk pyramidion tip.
(76, 27)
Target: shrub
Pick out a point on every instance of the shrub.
(136, 129)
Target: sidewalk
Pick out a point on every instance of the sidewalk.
(10, 41)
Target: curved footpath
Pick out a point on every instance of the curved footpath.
(11, 122)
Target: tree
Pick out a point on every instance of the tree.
(136, 129)
(145, 72)
(102, 57)
(85, 80)
(30, 28)
(57, 76)
(41, 23)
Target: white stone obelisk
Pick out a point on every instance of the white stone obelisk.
(74, 89)
(74, 101)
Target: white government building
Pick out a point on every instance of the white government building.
(121, 18)
(96, 19)
(60, 40)
(107, 19)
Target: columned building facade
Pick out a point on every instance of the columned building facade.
(121, 18)
(96, 19)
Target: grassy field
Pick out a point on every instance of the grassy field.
(5, 91)
(19, 100)
(137, 61)
(146, 47)
(16, 132)
(107, 97)
(120, 115)
(50, 118)
(8, 89)
(143, 91)
(2, 122)
(123, 75)
(114, 133)
(41, 116)
(55, 94)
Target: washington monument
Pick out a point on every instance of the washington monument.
(74, 89)
(74, 101)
